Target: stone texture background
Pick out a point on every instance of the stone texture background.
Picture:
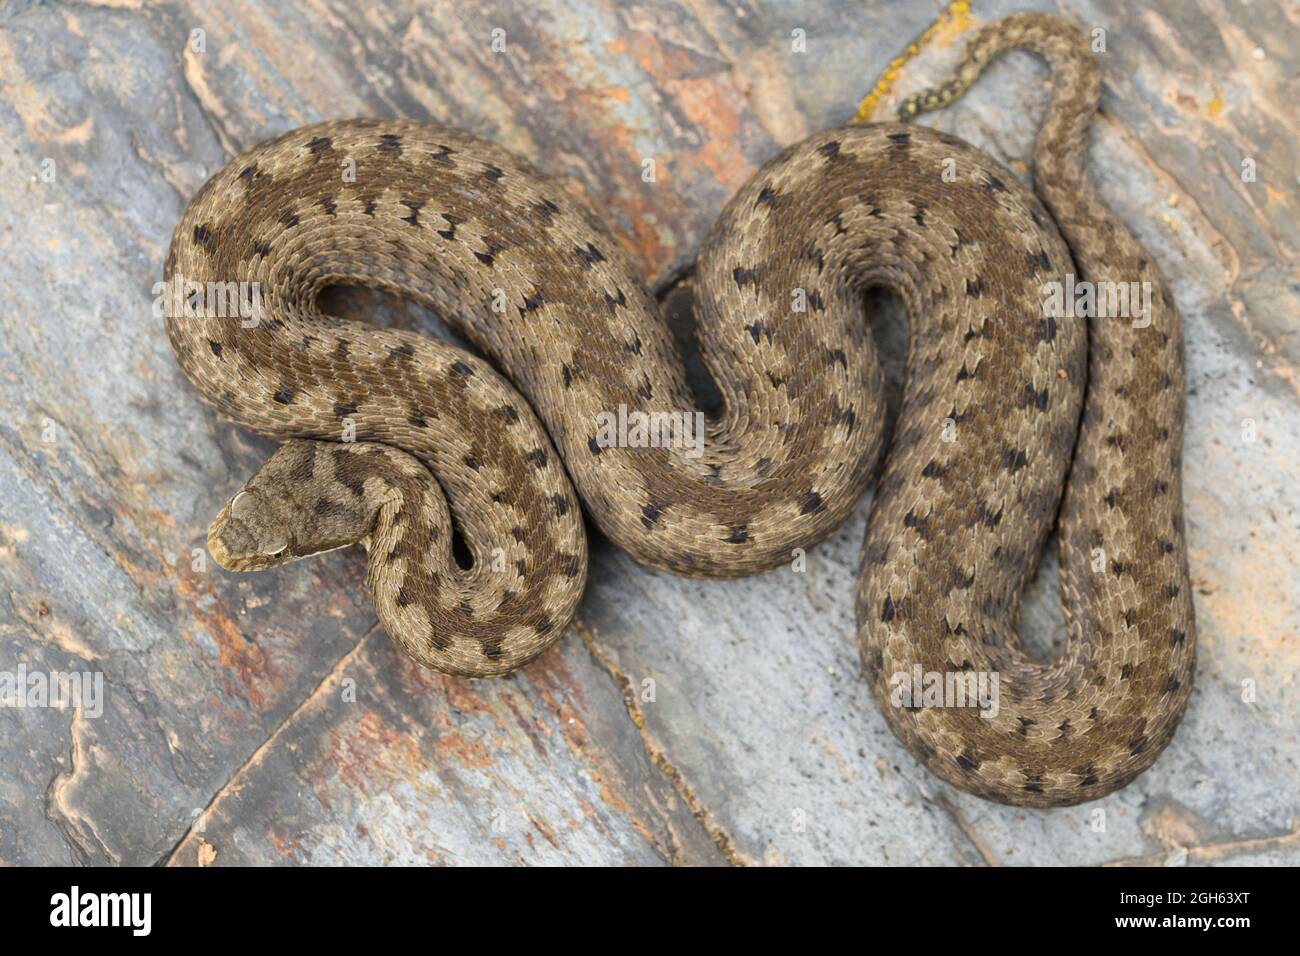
(266, 719)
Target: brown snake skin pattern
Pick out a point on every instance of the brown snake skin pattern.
(993, 403)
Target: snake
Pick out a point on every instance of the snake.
(466, 472)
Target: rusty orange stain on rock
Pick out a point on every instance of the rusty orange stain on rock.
(462, 694)
(626, 204)
(720, 122)
(563, 696)
(287, 848)
(544, 830)
(248, 662)
(649, 54)
(635, 210)
(369, 755)
(471, 752)
(610, 797)
(158, 518)
(643, 239)
(221, 715)
(632, 208)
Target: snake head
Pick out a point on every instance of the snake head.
(294, 507)
(252, 532)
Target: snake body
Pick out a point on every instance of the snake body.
(382, 426)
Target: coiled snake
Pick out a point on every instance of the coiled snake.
(380, 424)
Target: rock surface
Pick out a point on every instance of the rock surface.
(265, 718)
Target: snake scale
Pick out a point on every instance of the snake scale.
(382, 426)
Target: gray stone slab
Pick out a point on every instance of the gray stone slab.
(679, 721)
